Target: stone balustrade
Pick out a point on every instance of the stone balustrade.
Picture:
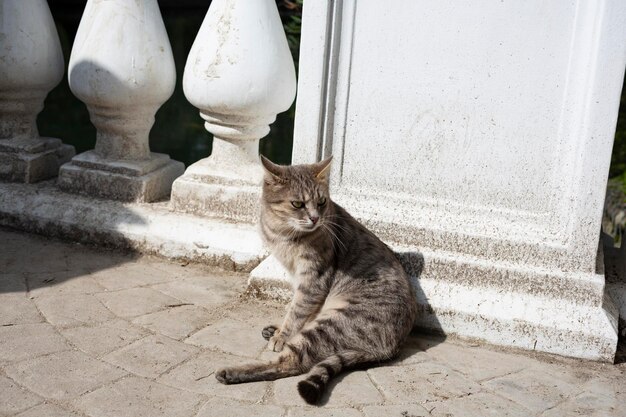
(240, 74)
(473, 139)
(31, 64)
(122, 68)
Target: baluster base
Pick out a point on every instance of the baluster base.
(204, 190)
(31, 160)
(124, 180)
(227, 184)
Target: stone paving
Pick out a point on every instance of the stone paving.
(88, 332)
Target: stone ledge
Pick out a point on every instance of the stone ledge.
(121, 183)
(199, 196)
(147, 228)
(515, 313)
(32, 160)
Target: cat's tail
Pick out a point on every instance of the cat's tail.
(313, 386)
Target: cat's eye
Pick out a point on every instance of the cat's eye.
(322, 201)
(297, 204)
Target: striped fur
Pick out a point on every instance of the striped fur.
(353, 302)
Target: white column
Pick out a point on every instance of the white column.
(122, 68)
(475, 138)
(31, 64)
(239, 74)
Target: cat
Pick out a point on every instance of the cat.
(353, 302)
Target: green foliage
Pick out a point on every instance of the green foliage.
(618, 160)
(291, 15)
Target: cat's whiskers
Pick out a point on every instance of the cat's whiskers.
(336, 225)
(333, 235)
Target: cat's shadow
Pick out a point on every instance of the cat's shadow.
(411, 353)
(426, 334)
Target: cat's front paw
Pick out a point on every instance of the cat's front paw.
(268, 331)
(277, 342)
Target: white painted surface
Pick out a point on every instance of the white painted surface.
(31, 64)
(493, 121)
(122, 68)
(147, 228)
(240, 74)
(474, 131)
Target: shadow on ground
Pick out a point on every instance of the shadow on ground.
(620, 356)
(28, 267)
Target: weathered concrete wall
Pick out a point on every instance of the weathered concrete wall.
(479, 136)
(145, 228)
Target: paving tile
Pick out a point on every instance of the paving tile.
(29, 253)
(237, 410)
(103, 338)
(258, 314)
(43, 257)
(208, 295)
(611, 383)
(12, 283)
(47, 410)
(478, 363)
(421, 383)
(197, 375)
(28, 341)
(151, 356)
(130, 275)
(41, 373)
(62, 282)
(230, 336)
(176, 322)
(588, 404)
(174, 269)
(16, 308)
(70, 309)
(63, 375)
(409, 410)
(139, 397)
(477, 405)
(15, 242)
(409, 355)
(89, 259)
(534, 389)
(136, 301)
(210, 279)
(323, 412)
(350, 389)
(14, 399)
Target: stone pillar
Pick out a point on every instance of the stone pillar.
(122, 68)
(240, 74)
(31, 64)
(475, 138)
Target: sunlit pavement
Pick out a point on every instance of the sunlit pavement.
(88, 332)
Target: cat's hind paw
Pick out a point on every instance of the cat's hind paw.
(269, 331)
(226, 376)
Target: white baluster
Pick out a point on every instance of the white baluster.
(122, 68)
(240, 74)
(31, 64)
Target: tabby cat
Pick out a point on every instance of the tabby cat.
(353, 302)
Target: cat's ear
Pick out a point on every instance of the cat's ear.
(273, 172)
(321, 170)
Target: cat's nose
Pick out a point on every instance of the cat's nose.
(314, 219)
